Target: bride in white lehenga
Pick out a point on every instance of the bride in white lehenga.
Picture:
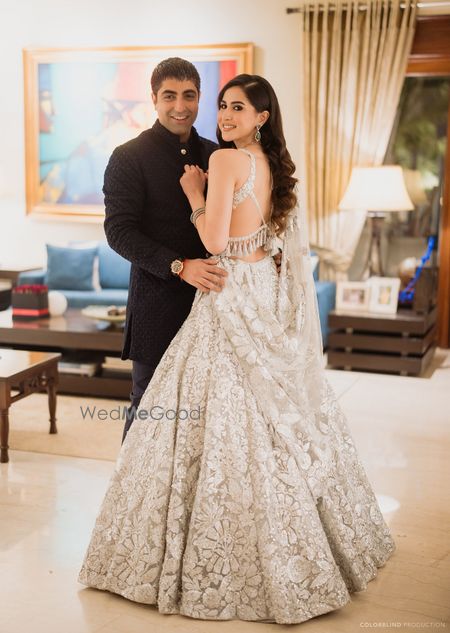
(250, 501)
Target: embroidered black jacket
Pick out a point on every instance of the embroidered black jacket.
(147, 222)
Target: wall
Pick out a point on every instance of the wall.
(84, 23)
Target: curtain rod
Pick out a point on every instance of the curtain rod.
(332, 7)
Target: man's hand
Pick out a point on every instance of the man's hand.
(203, 274)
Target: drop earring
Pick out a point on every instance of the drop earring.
(258, 134)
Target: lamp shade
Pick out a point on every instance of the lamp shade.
(415, 187)
(377, 189)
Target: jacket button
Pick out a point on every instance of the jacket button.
(183, 151)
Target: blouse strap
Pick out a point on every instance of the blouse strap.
(248, 185)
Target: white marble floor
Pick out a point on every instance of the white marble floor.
(402, 429)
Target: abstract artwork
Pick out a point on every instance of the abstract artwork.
(81, 104)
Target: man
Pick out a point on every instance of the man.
(148, 222)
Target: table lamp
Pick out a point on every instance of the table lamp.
(378, 190)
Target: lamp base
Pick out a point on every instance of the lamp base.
(374, 264)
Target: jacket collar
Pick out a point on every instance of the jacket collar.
(173, 139)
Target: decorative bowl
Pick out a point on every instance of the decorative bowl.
(105, 313)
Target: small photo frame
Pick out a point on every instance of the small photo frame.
(384, 294)
(352, 296)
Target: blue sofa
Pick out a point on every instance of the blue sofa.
(326, 300)
(114, 273)
(113, 277)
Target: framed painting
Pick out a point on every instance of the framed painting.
(81, 103)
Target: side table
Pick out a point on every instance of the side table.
(27, 372)
(13, 271)
(401, 343)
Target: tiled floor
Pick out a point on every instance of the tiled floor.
(402, 429)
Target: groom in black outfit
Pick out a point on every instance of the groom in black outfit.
(148, 222)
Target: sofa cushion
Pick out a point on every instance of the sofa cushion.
(81, 298)
(70, 268)
(114, 270)
(89, 244)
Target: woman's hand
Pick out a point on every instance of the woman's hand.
(193, 183)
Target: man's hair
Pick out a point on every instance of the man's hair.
(174, 68)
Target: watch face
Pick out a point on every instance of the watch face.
(176, 267)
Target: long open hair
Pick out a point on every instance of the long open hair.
(262, 97)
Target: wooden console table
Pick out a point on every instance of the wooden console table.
(401, 343)
(27, 372)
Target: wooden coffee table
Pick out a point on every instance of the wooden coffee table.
(71, 332)
(27, 373)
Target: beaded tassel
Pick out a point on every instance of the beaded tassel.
(247, 244)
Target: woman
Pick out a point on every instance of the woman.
(241, 495)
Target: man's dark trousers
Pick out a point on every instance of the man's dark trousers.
(141, 375)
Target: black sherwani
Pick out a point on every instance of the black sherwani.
(147, 222)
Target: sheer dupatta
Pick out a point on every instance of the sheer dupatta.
(281, 352)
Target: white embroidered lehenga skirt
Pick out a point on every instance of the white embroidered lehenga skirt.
(225, 510)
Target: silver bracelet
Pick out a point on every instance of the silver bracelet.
(196, 214)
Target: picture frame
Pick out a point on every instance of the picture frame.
(82, 103)
(352, 296)
(384, 294)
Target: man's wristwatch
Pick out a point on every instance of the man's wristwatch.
(177, 266)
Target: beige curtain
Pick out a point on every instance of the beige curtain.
(353, 56)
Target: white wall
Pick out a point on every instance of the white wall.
(86, 23)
